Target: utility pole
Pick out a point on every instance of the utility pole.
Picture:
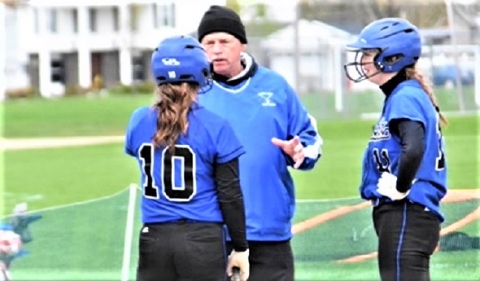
(3, 51)
(296, 47)
(458, 81)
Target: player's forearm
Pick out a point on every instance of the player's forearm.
(234, 216)
(231, 203)
(412, 137)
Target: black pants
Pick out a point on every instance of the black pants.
(182, 252)
(270, 261)
(407, 236)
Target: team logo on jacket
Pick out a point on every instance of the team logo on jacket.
(266, 96)
(381, 131)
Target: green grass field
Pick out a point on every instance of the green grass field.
(48, 178)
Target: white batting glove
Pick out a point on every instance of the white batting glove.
(387, 186)
(240, 260)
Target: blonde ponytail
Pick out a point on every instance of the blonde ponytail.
(413, 73)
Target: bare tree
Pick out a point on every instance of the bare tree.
(362, 12)
(234, 5)
(380, 9)
(469, 12)
(11, 3)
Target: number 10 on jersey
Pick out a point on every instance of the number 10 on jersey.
(177, 168)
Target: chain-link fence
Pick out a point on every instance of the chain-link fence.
(309, 51)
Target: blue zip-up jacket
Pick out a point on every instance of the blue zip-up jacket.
(259, 108)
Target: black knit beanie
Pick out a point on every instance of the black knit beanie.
(221, 19)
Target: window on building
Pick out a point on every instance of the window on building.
(164, 15)
(53, 20)
(58, 70)
(155, 15)
(173, 14)
(116, 19)
(75, 20)
(138, 68)
(93, 19)
(135, 15)
(36, 21)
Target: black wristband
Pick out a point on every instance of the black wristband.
(240, 248)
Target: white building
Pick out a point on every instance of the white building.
(13, 74)
(69, 42)
(320, 55)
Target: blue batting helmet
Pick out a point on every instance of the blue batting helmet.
(180, 59)
(391, 37)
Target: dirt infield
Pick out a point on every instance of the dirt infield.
(452, 196)
(328, 216)
(470, 218)
(41, 143)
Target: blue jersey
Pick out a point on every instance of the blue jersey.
(408, 101)
(182, 185)
(260, 108)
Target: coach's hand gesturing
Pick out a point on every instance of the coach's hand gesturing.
(292, 148)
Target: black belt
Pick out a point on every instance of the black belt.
(379, 201)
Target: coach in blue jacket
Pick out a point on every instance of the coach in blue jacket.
(276, 132)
